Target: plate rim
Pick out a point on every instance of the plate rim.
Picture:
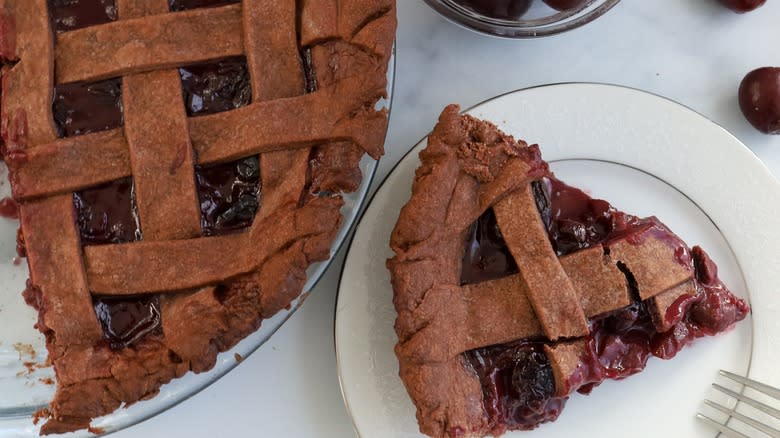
(766, 172)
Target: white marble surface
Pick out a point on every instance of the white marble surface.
(692, 51)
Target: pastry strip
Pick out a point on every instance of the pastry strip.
(550, 291)
(297, 122)
(168, 40)
(147, 266)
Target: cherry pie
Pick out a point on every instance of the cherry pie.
(513, 289)
(178, 165)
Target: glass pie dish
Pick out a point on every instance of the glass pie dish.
(26, 377)
(521, 18)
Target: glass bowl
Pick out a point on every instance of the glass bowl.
(519, 18)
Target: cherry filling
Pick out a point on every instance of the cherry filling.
(108, 213)
(518, 385)
(618, 346)
(80, 108)
(228, 192)
(576, 221)
(67, 15)
(127, 320)
(486, 256)
(229, 195)
(215, 87)
(516, 378)
(181, 5)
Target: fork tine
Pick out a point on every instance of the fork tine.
(758, 386)
(721, 427)
(771, 431)
(769, 410)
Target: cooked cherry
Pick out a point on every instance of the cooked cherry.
(576, 221)
(759, 99)
(532, 378)
(486, 255)
(505, 9)
(127, 320)
(621, 341)
(742, 6)
(518, 385)
(216, 86)
(716, 311)
(229, 195)
(566, 5)
(8, 208)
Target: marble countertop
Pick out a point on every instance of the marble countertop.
(692, 51)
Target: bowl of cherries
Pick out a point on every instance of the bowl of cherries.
(521, 18)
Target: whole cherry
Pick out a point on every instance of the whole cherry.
(742, 6)
(504, 9)
(566, 5)
(759, 99)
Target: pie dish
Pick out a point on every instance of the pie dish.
(514, 290)
(178, 161)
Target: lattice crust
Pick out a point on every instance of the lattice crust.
(468, 167)
(227, 283)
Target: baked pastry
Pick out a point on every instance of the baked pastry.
(513, 289)
(178, 165)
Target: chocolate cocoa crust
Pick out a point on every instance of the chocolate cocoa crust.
(310, 146)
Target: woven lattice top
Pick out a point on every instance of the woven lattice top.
(346, 44)
(549, 296)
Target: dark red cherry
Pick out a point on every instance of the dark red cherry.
(566, 5)
(759, 99)
(742, 6)
(504, 9)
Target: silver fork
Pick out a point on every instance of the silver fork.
(758, 406)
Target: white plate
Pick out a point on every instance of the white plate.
(645, 154)
(23, 379)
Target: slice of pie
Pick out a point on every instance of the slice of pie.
(178, 165)
(513, 289)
